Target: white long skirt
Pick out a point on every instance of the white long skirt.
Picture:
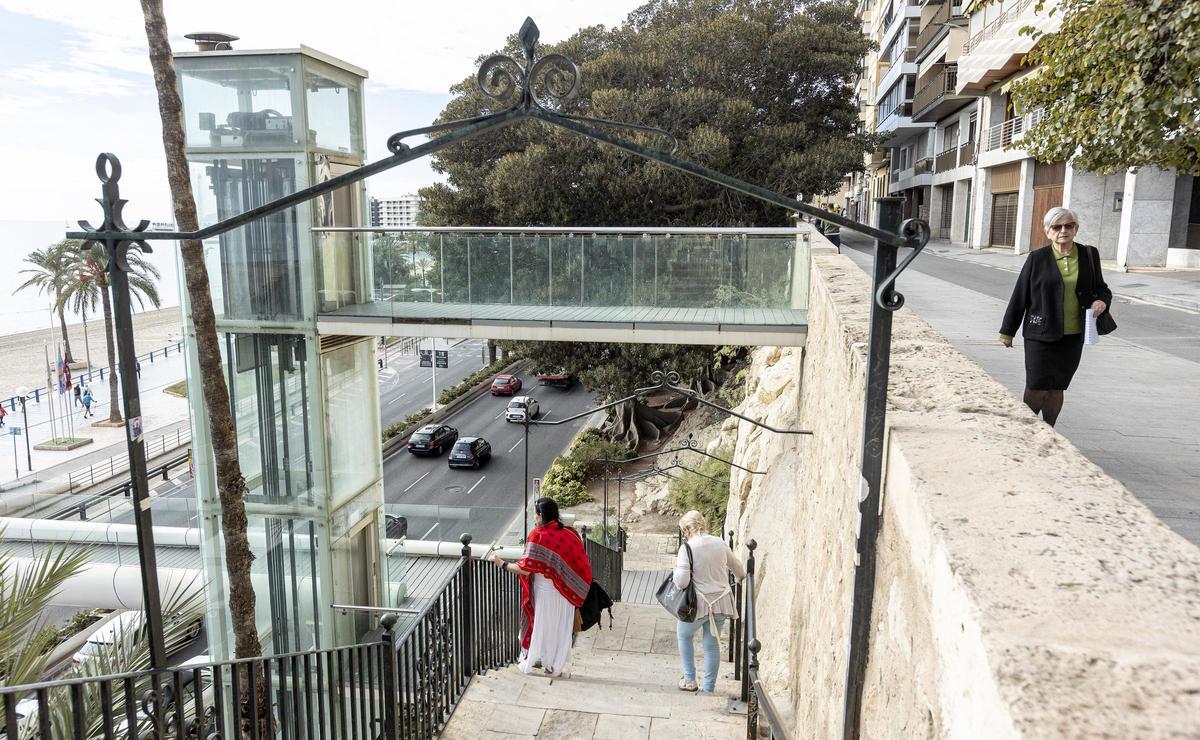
(553, 620)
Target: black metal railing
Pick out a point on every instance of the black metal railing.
(607, 562)
(403, 685)
(763, 719)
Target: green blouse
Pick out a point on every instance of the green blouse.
(1068, 266)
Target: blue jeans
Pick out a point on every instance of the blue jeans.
(684, 632)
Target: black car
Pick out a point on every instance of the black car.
(395, 526)
(432, 439)
(470, 452)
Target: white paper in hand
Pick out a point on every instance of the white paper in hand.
(1090, 335)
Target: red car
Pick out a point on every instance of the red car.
(505, 385)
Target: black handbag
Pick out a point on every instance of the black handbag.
(681, 602)
(1105, 323)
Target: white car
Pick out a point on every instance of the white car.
(520, 406)
(127, 621)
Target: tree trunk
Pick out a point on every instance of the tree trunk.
(114, 405)
(62, 323)
(231, 486)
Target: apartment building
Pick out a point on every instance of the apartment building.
(395, 212)
(940, 89)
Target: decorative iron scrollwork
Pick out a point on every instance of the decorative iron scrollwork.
(917, 233)
(108, 169)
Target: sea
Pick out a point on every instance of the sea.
(28, 310)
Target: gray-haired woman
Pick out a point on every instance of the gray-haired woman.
(708, 567)
(1056, 286)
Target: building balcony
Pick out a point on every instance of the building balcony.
(994, 52)
(937, 98)
(923, 166)
(946, 161)
(935, 29)
(1007, 132)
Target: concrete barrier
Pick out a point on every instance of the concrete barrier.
(1021, 592)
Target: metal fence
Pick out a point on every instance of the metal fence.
(106, 469)
(763, 719)
(403, 685)
(607, 562)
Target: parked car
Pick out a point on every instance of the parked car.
(506, 385)
(470, 452)
(563, 380)
(25, 710)
(432, 439)
(395, 526)
(521, 406)
(104, 636)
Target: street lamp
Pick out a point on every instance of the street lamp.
(23, 396)
(432, 350)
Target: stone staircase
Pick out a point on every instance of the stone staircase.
(624, 686)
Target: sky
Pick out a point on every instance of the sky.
(75, 81)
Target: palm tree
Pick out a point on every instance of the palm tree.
(24, 593)
(50, 274)
(231, 484)
(87, 285)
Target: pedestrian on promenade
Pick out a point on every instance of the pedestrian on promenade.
(3, 414)
(87, 403)
(137, 368)
(706, 561)
(1055, 288)
(555, 578)
(78, 394)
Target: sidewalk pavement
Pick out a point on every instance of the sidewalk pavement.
(1160, 286)
(624, 686)
(1134, 405)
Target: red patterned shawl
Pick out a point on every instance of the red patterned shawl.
(557, 553)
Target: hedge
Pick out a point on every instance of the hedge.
(566, 480)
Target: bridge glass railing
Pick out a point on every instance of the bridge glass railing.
(727, 276)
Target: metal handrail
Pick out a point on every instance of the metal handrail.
(81, 508)
(108, 469)
(759, 706)
(991, 29)
(635, 230)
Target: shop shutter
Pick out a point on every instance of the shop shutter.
(1004, 219)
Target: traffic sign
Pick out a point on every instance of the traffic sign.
(426, 358)
(15, 431)
(442, 357)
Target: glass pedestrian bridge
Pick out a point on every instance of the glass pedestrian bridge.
(646, 285)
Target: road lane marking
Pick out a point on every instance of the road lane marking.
(418, 480)
(435, 526)
(497, 416)
(510, 449)
(397, 398)
(472, 488)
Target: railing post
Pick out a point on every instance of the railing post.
(391, 698)
(748, 616)
(468, 607)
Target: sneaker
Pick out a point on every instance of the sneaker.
(687, 684)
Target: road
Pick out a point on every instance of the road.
(438, 502)
(405, 388)
(1133, 405)
(441, 503)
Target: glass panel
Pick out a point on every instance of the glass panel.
(343, 265)
(269, 395)
(255, 269)
(333, 111)
(237, 102)
(285, 561)
(351, 419)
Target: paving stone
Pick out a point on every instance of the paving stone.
(673, 729)
(620, 727)
(567, 725)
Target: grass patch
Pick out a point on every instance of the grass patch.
(179, 389)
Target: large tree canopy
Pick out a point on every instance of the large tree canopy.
(1120, 85)
(758, 90)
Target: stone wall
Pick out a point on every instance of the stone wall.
(1021, 592)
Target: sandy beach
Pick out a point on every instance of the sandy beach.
(22, 355)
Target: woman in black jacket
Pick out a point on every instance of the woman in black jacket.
(1056, 286)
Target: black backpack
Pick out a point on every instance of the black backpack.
(596, 602)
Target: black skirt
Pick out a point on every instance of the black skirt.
(1049, 366)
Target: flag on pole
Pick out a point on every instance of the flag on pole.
(60, 363)
(66, 374)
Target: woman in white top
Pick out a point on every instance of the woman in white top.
(709, 569)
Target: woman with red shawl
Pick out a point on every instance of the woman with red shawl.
(555, 578)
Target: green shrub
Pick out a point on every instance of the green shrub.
(409, 420)
(710, 498)
(566, 480)
(475, 379)
(733, 391)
